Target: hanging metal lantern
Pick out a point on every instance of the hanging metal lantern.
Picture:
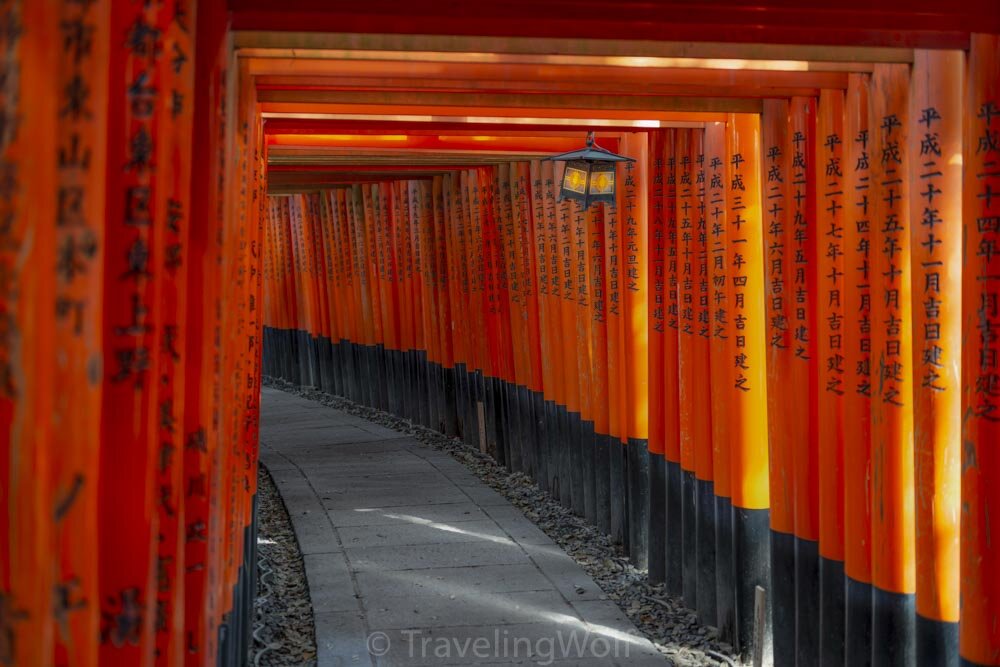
(590, 174)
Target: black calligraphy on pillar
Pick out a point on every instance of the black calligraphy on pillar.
(986, 166)
(860, 278)
(657, 247)
(738, 240)
(719, 247)
(933, 357)
(800, 235)
(687, 229)
(833, 277)
(774, 207)
(892, 359)
(704, 310)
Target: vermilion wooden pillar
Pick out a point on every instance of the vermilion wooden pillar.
(634, 218)
(603, 440)
(858, 376)
(133, 333)
(780, 298)
(656, 328)
(614, 280)
(170, 250)
(539, 242)
(893, 565)
(671, 388)
(828, 171)
(980, 552)
(79, 222)
(935, 139)
(801, 240)
(29, 108)
(688, 267)
(748, 385)
(713, 519)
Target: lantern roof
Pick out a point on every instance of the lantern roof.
(591, 153)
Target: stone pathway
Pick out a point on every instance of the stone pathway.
(412, 560)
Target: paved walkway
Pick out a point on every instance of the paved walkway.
(412, 560)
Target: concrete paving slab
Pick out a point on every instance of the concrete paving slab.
(380, 516)
(435, 555)
(341, 639)
(398, 537)
(429, 611)
(507, 578)
(423, 532)
(330, 585)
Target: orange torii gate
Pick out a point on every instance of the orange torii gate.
(772, 363)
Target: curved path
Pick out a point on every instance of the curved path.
(412, 560)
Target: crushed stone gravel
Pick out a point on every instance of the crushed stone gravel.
(284, 633)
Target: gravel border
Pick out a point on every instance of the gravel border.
(284, 633)
(673, 628)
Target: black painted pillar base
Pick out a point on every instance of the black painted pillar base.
(526, 429)
(806, 601)
(783, 596)
(657, 545)
(937, 642)
(858, 622)
(552, 447)
(618, 468)
(674, 557)
(689, 539)
(576, 470)
(752, 554)
(602, 481)
(588, 439)
(512, 425)
(638, 498)
(541, 445)
(707, 610)
(725, 571)
(565, 458)
(831, 612)
(893, 629)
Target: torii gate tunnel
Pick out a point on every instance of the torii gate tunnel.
(773, 362)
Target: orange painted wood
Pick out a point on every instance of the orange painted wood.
(540, 245)
(779, 301)
(721, 342)
(526, 197)
(893, 563)
(828, 170)
(615, 281)
(800, 238)
(935, 141)
(656, 245)
(634, 217)
(857, 331)
(701, 363)
(76, 409)
(32, 227)
(671, 387)
(746, 259)
(597, 257)
(133, 333)
(550, 179)
(169, 258)
(979, 634)
(688, 269)
(582, 222)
